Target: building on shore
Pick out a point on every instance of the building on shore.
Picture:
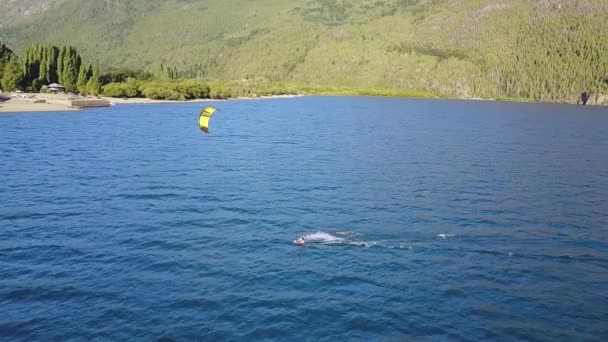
(56, 88)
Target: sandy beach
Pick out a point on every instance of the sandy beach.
(9, 104)
(22, 103)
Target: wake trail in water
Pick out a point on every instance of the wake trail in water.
(346, 238)
(322, 237)
(443, 243)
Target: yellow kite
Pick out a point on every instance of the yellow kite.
(203, 119)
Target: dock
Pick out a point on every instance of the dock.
(88, 103)
(73, 101)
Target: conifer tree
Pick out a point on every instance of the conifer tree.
(53, 54)
(71, 65)
(12, 75)
(5, 55)
(81, 85)
(43, 75)
(61, 63)
(93, 85)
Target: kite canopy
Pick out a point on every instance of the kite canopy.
(203, 119)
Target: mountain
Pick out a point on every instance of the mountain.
(548, 50)
(16, 11)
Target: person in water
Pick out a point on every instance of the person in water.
(300, 240)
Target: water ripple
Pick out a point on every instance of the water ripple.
(427, 220)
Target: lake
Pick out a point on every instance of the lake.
(425, 219)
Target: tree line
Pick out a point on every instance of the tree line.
(44, 64)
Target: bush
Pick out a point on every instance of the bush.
(37, 85)
(173, 90)
(120, 90)
(162, 92)
(192, 89)
(219, 91)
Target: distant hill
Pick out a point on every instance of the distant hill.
(549, 50)
(16, 11)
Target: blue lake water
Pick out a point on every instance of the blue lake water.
(427, 219)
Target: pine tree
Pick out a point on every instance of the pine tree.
(43, 76)
(168, 72)
(89, 71)
(5, 52)
(71, 65)
(5, 56)
(83, 78)
(53, 76)
(12, 75)
(60, 64)
(31, 64)
(93, 85)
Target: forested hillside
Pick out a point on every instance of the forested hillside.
(550, 50)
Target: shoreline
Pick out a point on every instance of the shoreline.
(36, 102)
(144, 100)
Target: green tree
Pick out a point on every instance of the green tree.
(93, 85)
(12, 75)
(70, 66)
(53, 54)
(41, 65)
(60, 63)
(83, 78)
(5, 56)
(5, 52)
(168, 72)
